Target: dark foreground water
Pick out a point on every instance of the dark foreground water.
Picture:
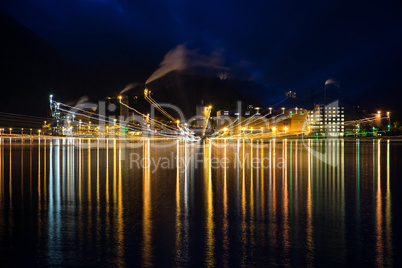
(81, 202)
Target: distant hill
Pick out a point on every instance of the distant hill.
(31, 69)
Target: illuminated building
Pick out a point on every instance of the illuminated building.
(327, 120)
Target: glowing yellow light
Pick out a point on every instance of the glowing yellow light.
(178, 121)
(286, 129)
(225, 129)
(120, 97)
(274, 129)
(145, 92)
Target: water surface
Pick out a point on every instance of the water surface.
(80, 202)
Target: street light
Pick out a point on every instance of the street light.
(10, 130)
(283, 110)
(389, 121)
(270, 110)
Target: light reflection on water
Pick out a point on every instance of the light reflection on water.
(84, 201)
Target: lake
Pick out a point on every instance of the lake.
(95, 202)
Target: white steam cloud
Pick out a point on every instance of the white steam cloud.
(332, 82)
(82, 103)
(128, 87)
(181, 58)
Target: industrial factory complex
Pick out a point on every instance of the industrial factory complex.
(115, 117)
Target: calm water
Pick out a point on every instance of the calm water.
(80, 202)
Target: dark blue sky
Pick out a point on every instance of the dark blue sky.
(284, 44)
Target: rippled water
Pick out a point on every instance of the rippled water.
(69, 202)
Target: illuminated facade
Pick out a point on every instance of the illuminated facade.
(327, 120)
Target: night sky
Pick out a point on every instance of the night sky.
(295, 45)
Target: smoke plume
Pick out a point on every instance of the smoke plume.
(181, 58)
(128, 87)
(83, 103)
